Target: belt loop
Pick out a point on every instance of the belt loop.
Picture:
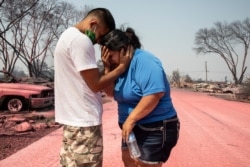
(164, 132)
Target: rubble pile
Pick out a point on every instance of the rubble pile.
(20, 124)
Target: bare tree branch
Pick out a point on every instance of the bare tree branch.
(225, 40)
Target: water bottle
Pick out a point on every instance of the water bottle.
(132, 146)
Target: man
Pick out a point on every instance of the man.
(78, 83)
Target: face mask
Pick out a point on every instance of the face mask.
(91, 35)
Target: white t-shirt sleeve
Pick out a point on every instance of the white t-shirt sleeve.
(83, 53)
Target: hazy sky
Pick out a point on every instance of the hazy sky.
(167, 28)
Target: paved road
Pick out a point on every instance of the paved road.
(214, 133)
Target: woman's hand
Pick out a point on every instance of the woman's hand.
(127, 128)
(105, 59)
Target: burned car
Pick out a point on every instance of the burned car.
(17, 96)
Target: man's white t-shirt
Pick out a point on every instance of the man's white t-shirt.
(75, 103)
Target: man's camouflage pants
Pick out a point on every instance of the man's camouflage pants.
(82, 147)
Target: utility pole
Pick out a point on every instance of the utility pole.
(206, 70)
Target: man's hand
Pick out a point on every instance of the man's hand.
(125, 58)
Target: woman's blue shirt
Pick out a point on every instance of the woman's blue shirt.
(145, 76)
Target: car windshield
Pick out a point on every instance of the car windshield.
(6, 77)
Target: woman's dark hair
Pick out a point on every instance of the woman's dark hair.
(118, 39)
(133, 38)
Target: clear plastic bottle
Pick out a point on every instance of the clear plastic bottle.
(132, 146)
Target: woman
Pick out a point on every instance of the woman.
(144, 103)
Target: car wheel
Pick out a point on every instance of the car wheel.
(15, 105)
